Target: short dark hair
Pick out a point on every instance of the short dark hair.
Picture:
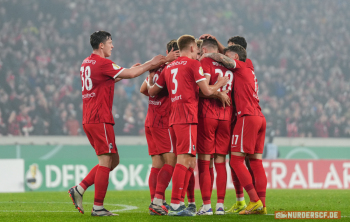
(239, 40)
(211, 43)
(185, 41)
(172, 45)
(97, 37)
(239, 50)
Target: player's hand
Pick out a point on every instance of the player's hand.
(207, 36)
(203, 56)
(222, 80)
(224, 98)
(135, 65)
(172, 55)
(156, 61)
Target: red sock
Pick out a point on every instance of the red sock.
(204, 180)
(261, 181)
(190, 189)
(152, 181)
(251, 174)
(237, 163)
(237, 184)
(178, 183)
(89, 179)
(211, 170)
(189, 173)
(101, 184)
(221, 181)
(164, 177)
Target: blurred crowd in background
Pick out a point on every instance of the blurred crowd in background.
(299, 50)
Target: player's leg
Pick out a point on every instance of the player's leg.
(190, 194)
(206, 147)
(108, 157)
(222, 146)
(211, 171)
(77, 192)
(188, 176)
(186, 137)
(157, 161)
(257, 166)
(244, 136)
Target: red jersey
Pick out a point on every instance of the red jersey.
(158, 106)
(181, 78)
(246, 90)
(213, 108)
(97, 76)
(249, 64)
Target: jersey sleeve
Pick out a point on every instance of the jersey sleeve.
(198, 73)
(111, 69)
(240, 64)
(205, 63)
(161, 80)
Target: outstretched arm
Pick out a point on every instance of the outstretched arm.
(226, 61)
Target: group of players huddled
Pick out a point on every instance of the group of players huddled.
(203, 99)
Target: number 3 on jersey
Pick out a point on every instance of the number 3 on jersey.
(174, 73)
(85, 78)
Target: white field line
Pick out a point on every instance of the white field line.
(125, 207)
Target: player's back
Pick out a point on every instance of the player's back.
(97, 75)
(246, 90)
(158, 106)
(213, 108)
(181, 77)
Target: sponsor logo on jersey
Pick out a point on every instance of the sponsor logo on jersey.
(110, 146)
(156, 103)
(89, 61)
(194, 148)
(201, 71)
(176, 98)
(115, 66)
(87, 95)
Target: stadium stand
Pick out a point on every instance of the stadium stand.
(303, 76)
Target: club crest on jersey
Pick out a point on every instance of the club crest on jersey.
(115, 66)
(201, 71)
(194, 148)
(110, 146)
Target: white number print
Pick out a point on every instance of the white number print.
(234, 141)
(85, 78)
(230, 75)
(155, 78)
(174, 73)
(256, 87)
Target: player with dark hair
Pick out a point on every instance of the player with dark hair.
(183, 79)
(214, 128)
(98, 76)
(240, 202)
(248, 134)
(158, 136)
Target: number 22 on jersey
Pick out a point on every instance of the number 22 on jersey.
(86, 78)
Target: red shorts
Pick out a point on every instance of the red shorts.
(249, 135)
(159, 141)
(213, 136)
(101, 137)
(185, 138)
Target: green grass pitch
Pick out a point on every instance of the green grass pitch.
(133, 206)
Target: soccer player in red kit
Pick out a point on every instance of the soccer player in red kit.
(158, 135)
(183, 79)
(249, 131)
(214, 132)
(98, 76)
(240, 202)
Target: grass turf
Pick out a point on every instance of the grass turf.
(133, 205)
